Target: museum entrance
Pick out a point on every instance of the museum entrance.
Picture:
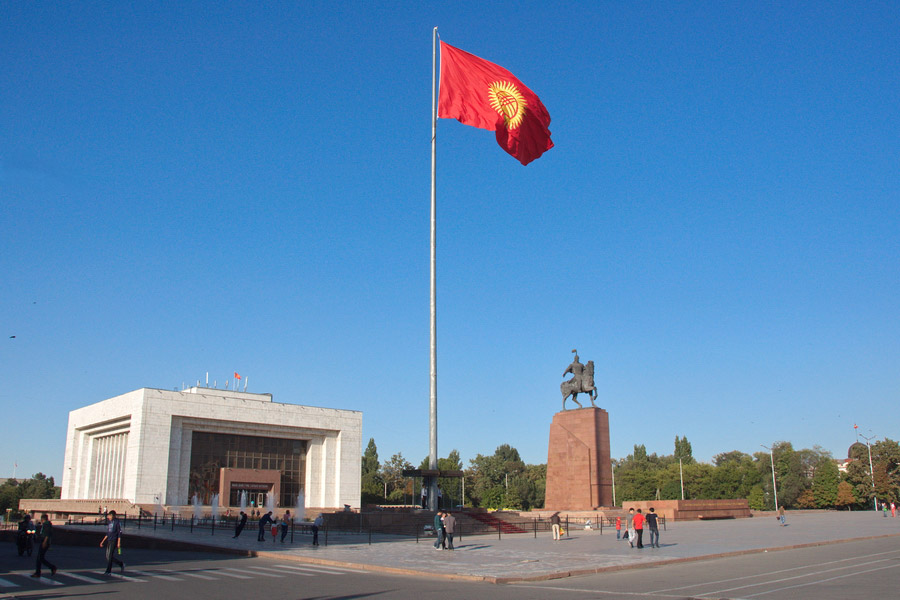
(229, 464)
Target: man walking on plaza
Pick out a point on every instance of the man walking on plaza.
(554, 525)
(639, 528)
(45, 537)
(654, 528)
(113, 541)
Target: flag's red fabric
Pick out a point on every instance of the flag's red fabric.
(236, 376)
(481, 94)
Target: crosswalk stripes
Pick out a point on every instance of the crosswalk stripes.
(120, 576)
(81, 578)
(198, 576)
(19, 580)
(226, 573)
(322, 569)
(156, 575)
(253, 572)
(281, 572)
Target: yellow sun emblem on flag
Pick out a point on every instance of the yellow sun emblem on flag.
(506, 99)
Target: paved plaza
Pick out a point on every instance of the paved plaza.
(522, 557)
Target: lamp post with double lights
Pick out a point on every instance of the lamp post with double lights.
(774, 486)
(871, 470)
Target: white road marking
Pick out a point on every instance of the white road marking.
(226, 573)
(822, 580)
(252, 572)
(198, 576)
(281, 572)
(323, 569)
(158, 576)
(82, 578)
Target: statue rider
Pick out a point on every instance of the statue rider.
(575, 369)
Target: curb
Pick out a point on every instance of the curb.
(499, 580)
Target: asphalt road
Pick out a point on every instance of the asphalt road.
(864, 570)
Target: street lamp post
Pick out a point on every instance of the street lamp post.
(614, 481)
(774, 485)
(871, 470)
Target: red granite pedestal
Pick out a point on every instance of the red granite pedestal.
(579, 474)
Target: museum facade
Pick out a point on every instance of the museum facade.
(155, 447)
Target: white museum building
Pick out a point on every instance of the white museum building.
(156, 447)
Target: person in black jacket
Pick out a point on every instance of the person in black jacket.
(654, 528)
(240, 525)
(263, 521)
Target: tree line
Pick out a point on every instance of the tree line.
(13, 490)
(807, 478)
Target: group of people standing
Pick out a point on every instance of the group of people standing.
(283, 526)
(634, 527)
(444, 526)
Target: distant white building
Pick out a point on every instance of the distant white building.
(154, 446)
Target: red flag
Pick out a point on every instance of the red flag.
(236, 376)
(481, 94)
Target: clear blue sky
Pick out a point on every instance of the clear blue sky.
(219, 187)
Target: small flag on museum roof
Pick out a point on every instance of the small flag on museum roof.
(236, 376)
(481, 94)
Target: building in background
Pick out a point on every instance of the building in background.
(155, 447)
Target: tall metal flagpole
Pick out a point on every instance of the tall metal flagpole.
(432, 456)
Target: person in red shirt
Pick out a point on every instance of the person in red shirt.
(639, 528)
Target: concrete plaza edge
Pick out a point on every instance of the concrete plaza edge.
(830, 528)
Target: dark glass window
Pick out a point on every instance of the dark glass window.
(213, 451)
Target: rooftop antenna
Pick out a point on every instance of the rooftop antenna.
(246, 381)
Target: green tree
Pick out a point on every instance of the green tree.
(370, 462)
(371, 483)
(683, 450)
(757, 498)
(825, 484)
(400, 488)
(845, 495)
(39, 486)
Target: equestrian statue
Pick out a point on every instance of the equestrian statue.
(582, 382)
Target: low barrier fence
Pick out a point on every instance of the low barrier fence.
(343, 526)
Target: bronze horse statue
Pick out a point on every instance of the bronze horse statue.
(585, 385)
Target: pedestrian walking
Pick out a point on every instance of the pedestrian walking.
(653, 526)
(45, 538)
(629, 527)
(424, 495)
(449, 529)
(619, 528)
(263, 521)
(113, 542)
(781, 514)
(554, 525)
(893, 509)
(639, 528)
(240, 524)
